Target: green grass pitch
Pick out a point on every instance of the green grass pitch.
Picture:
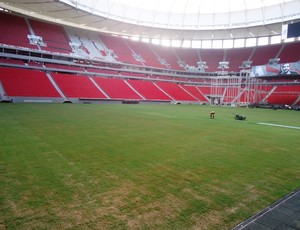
(88, 166)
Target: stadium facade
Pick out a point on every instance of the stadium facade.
(74, 51)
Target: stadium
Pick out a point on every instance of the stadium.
(106, 114)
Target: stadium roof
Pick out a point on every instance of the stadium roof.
(166, 19)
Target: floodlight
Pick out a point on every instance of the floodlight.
(75, 46)
(111, 53)
(202, 64)
(182, 63)
(246, 64)
(223, 65)
(273, 61)
(36, 40)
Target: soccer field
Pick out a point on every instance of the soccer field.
(115, 166)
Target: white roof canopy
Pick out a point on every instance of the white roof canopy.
(193, 14)
(166, 19)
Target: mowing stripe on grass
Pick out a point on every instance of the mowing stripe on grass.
(283, 126)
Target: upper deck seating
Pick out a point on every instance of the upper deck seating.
(212, 58)
(147, 55)
(14, 31)
(167, 54)
(120, 48)
(263, 54)
(86, 43)
(54, 36)
(189, 56)
(236, 56)
(290, 52)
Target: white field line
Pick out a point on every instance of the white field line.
(266, 210)
(282, 126)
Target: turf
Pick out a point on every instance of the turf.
(87, 166)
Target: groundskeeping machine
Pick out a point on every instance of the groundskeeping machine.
(239, 117)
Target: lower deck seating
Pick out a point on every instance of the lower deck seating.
(26, 83)
(117, 88)
(23, 82)
(284, 95)
(77, 86)
(148, 90)
(195, 92)
(205, 90)
(11, 61)
(64, 67)
(175, 91)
